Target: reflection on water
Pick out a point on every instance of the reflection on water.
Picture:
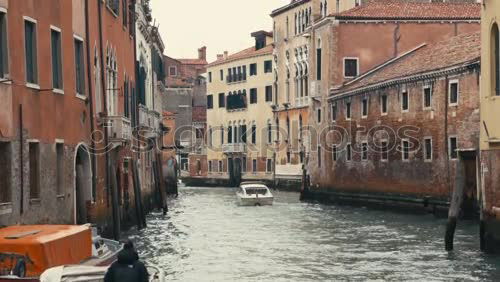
(207, 237)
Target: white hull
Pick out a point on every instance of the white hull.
(254, 201)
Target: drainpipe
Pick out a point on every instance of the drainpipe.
(116, 219)
(91, 104)
(21, 153)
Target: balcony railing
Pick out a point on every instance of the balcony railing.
(119, 128)
(234, 148)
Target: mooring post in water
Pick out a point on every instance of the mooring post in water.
(114, 197)
(137, 196)
(455, 205)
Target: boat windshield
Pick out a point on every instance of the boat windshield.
(256, 191)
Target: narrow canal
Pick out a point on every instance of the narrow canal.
(207, 237)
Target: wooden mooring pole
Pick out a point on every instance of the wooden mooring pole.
(455, 205)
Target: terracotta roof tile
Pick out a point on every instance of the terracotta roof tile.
(455, 51)
(246, 53)
(398, 9)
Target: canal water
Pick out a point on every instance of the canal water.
(207, 237)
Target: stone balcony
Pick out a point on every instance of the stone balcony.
(119, 129)
(235, 148)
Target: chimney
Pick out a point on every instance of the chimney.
(202, 53)
(220, 57)
(225, 55)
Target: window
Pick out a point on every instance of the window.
(244, 164)
(385, 150)
(253, 96)
(349, 152)
(222, 100)
(405, 149)
(254, 134)
(334, 153)
(4, 61)
(334, 111)
(244, 133)
(221, 167)
(30, 46)
(5, 172)
(318, 115)
(124, 13)
(254, 165)
(210, 102)
(453, 148)
(364, 107)
(348, 110)
(209, 166)
(222, 135)
(253, 69)
(34, 167)
(172, 71)
(269, 166)
(210, 77)
(318, 64)
(114, 5)
(495, 57)
(79, 67)
(244, 72)
(288, 157)
(269, 93)
(59, 168)
(221, 75)
(364, 151)
(268, 66)
(57, 80)
(383, 104)
(319, 156)
(405, 106)
(269, 133)
(351, 67)
(428, 149)
(357, 3)
(453, 92)
(427, 97)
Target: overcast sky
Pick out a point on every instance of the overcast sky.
(220, 25)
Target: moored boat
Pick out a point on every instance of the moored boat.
(83, 273)
(26, 251)
(254, 194)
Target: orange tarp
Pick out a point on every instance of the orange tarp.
(46, 245)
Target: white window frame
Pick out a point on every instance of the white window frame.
(425, 108)
(362, 145)
(35, 86)
(449, 92)
(382, 159)
(363, 116)
(357, 66)
(7, 74)
(350, 110)
(175, 72)
(382, 104)
(403, 150)
(405, 90)
(79, 38)
(425, 149)
(348, 148)
(57, 90)
(335, 153)
(449, 147)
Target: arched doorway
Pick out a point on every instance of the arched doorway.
(83, 184)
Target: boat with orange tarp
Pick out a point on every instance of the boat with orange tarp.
(26, 251)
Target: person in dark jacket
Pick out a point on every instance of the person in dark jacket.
(128, 267)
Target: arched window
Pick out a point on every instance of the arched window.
(287, 28)
(269, 132)
(321, 8)
(296, 23)
(277, 129)
(288, 129)
(326, 8)
(318, 60)
(495, 57)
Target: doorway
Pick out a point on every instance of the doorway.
(83, 184)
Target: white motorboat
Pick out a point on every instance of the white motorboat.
(83, 273)
(254, 194)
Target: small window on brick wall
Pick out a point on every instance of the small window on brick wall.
(453, 146)
(453, 92)
(350, 67)
(428, 149)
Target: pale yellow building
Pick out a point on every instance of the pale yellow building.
(239, 113)
(490, 125)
